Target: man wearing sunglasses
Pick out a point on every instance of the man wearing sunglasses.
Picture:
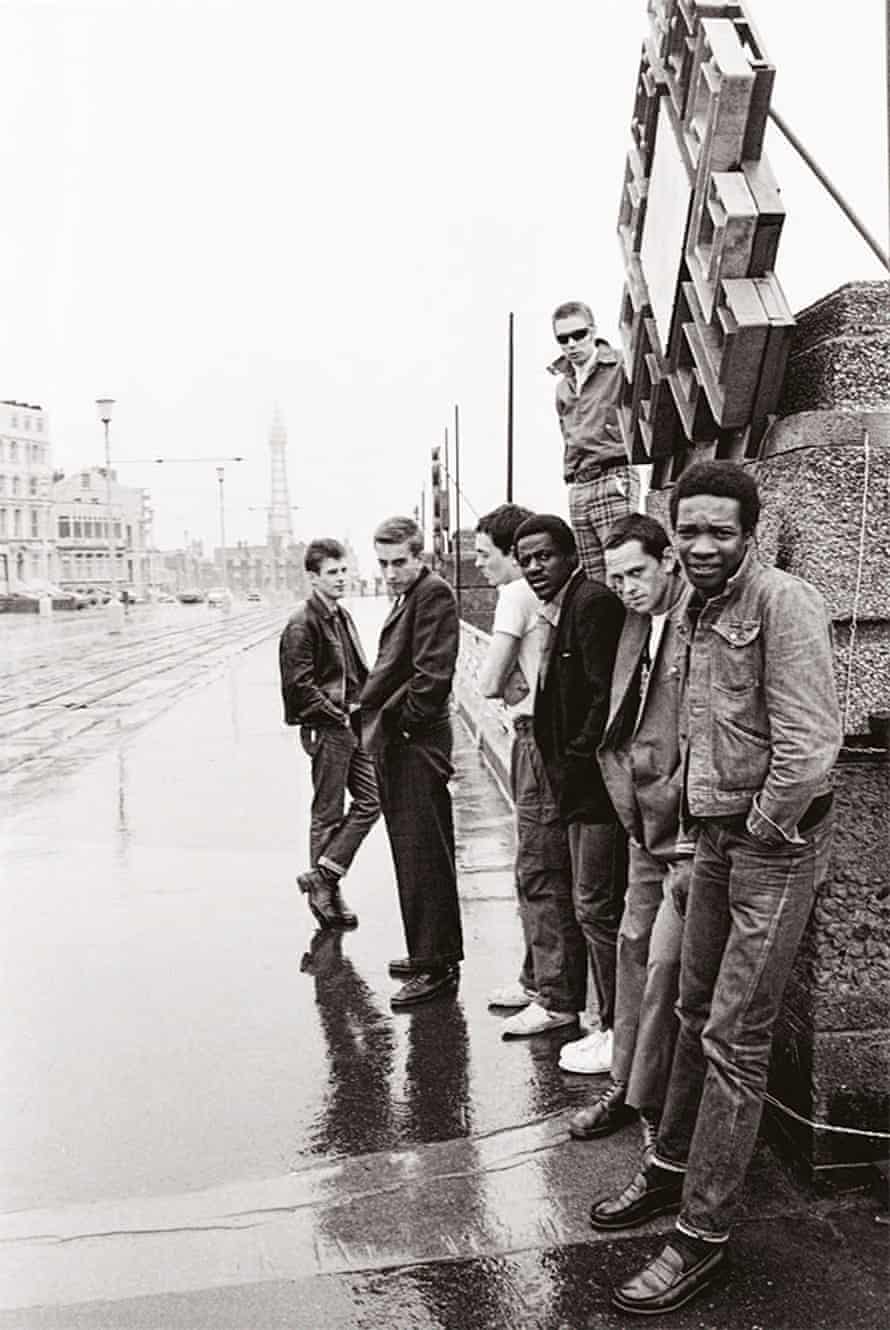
(602, 485)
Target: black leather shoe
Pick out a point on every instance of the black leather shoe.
(606, 1114)
(403, 968)
(422, 987)
(325, 900)
(654, 1191)
(683, 1269)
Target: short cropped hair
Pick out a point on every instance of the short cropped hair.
(726, 480)
(574, 309)
(548, 524)
(501, 523)
(638, 526)
(319, 550)
(400, 531)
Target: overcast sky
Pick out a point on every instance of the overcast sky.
(210, 208)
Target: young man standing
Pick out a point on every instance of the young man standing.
(603, 486)
(322, 672)
(581, 622)
(640, 760)
(759, 735)
(406, 725)
(543, 867)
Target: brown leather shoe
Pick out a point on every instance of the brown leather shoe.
(683, 1269)
(653, 1191)
(606, 1114)
(325, 900)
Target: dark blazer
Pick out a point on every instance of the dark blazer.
(640, 751)
(313, 671)
(572, 706)
(409, 685)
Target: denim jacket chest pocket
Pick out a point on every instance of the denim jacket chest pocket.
(737, 655)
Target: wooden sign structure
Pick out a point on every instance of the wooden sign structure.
(705, 328)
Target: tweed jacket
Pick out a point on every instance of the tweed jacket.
(572, 703)
(312, 667)
(407, 691)
(640, 751)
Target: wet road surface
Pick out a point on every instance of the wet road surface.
(212, 1117)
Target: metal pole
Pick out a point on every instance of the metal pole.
(447, 498)
(835, 194)
(220, 475)
(510, 407)
(457, 506)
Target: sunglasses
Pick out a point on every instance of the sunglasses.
(576, 335)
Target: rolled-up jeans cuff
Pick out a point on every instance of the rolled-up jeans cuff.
(690, 1232)
(331, 865)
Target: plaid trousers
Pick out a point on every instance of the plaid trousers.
(594, 505)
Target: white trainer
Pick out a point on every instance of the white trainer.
(511, 995)
(536, 1020)
(590, 1056)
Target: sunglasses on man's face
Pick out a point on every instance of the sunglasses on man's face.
(576, 335)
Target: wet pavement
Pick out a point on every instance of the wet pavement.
(213, 1118)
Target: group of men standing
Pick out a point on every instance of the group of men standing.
(675, 725)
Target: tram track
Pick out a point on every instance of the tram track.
(156, 670)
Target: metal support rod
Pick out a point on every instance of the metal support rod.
(835, 193)
(457, 506)
(220, 475)
(447, 524)
(510, 407)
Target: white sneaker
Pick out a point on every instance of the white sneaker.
(511, 995)
(590, 1056)
(536, 1020)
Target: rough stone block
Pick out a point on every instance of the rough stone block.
(840, 352)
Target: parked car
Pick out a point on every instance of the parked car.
(190, 596)
(219, 595)
(253, 596)
(165, 598)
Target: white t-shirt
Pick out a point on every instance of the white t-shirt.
(516, 614)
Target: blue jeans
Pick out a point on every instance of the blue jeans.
(339, 764)
(748, 906)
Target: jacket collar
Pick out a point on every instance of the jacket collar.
(397, 609)
(322, 607)
(605, 355)
(740, 578)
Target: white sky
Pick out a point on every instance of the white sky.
(209, 208)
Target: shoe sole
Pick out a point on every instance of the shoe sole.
(666, 1208)
(585, 1071)
(509, 1006)
(710, 1277)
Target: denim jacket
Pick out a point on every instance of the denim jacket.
(760, 728)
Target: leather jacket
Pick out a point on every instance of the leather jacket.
(313, 670)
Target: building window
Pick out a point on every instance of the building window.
(13, 423)
(85, 480)
(2, 484)
(2, 522)
(64, 528)
(78, 528)
(26, 421)
(117, 530)
(67, 570)
(32, 486)
(35, 524)
(38, 424)
(88, 530)
(16, 485)
(17, 522)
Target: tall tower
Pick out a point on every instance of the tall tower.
(280, 529)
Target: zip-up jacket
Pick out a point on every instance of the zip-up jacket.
(589, 419)
(313, 669)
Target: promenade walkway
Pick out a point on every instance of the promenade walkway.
(212, 1118)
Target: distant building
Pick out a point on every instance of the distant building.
(260, 568)
(25, 476)
(81, 522)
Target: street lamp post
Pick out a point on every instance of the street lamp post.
(115, 608)
(221, 477)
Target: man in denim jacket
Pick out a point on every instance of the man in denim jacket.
(759, 732)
